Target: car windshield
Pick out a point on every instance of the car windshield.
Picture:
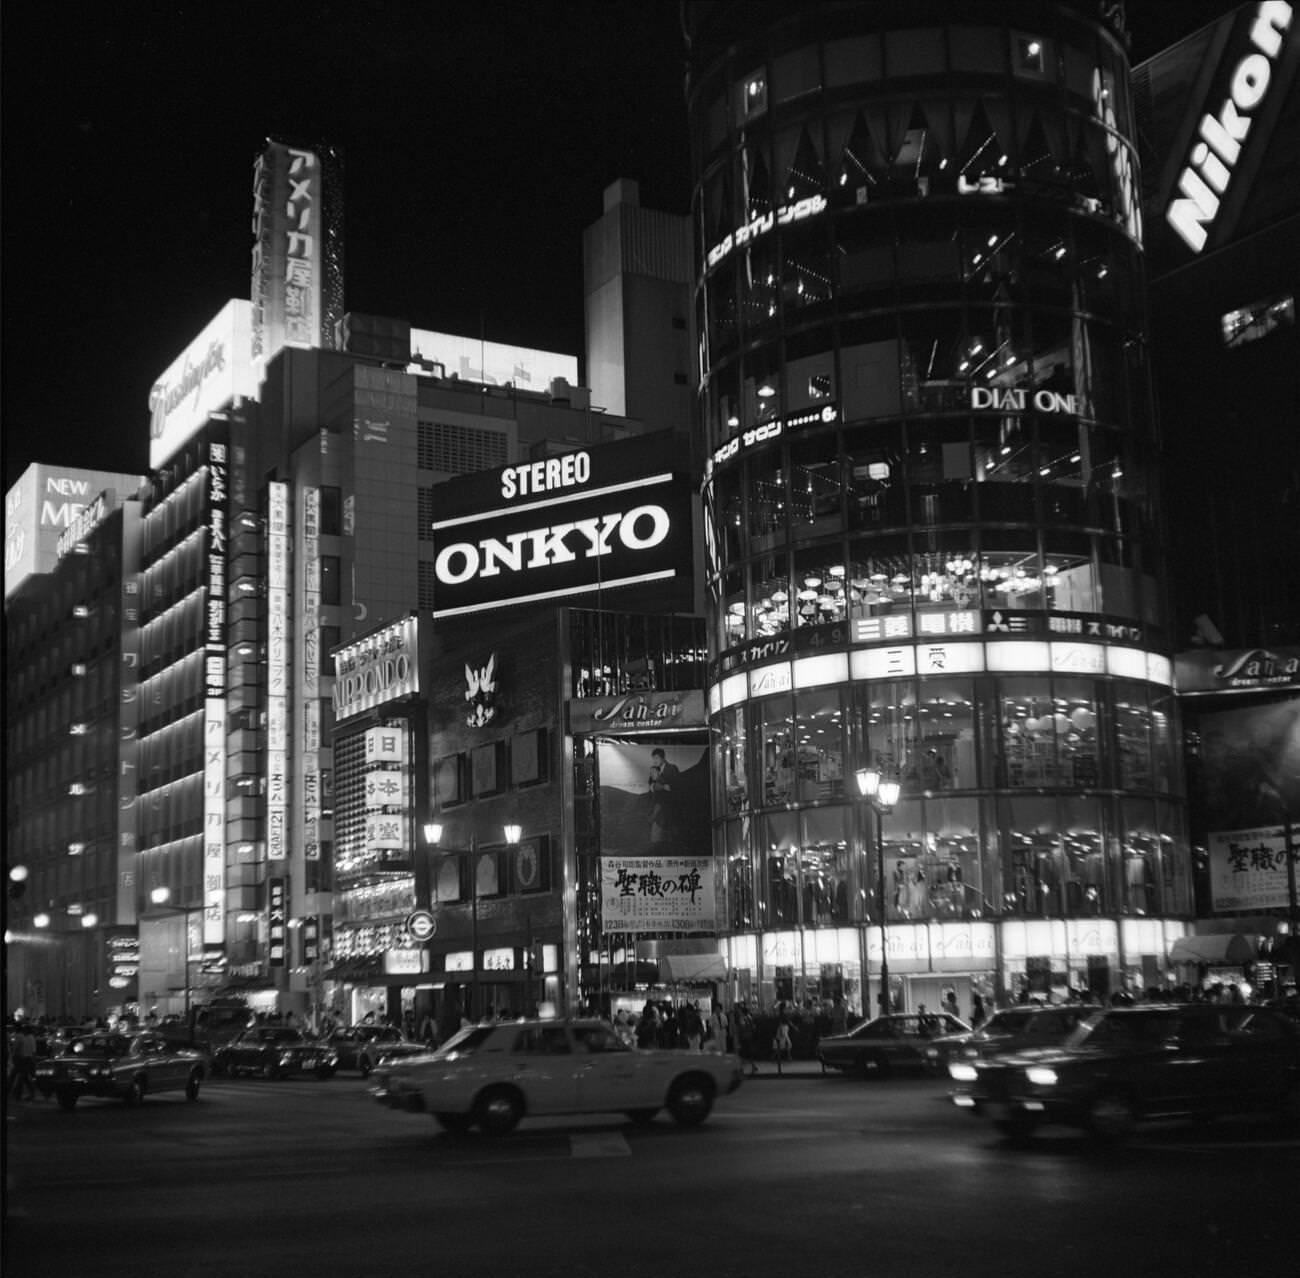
(466, 1041)
(1006, 1023)
(101, 1045)
(1126, 1029)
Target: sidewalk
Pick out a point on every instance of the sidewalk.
(786, 1069)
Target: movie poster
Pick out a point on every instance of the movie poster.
(1251, 767)
(654, 798)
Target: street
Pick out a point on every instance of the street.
(792, 1175)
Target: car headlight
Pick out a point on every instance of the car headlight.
(286, 1058)
(932, 1051)
(960, 1072)
(1041, 1075)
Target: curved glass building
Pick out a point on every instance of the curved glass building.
(935, 531)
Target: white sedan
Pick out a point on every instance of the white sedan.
(494, 1075)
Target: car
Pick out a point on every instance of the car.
(275, 1051)
(361, 1047)
(895, 1041)
(126, 1066)
(493, 1075)
(1011, 1030)
(1125, 1065)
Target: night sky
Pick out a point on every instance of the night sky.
(477, 142)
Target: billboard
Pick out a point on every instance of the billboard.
(657, 894)
(45, 503)
(654, 797)
(493, 363)
(289, 231)
(565, 526)
(1250, 796)
(382, 667)
(211, 371)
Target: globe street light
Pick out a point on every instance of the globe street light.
(882, 794)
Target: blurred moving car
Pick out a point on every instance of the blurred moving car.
(494, 1075)
(129, 1066)
(1128, 1064)
(274, 1051)
(1014, 1029)
(362, 1047)
(896, 1041)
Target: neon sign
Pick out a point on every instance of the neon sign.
(809, 206)
(1213, 157)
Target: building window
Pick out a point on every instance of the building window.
(487, 769)
(751, 97)
(459, 450)
(449, 775)
(528, 758)
(426, 586)
(331, 510)
(1027, 54)
(330, 579)
(424, 514)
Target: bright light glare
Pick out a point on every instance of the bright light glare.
(961, 1072)
(1041, 1076)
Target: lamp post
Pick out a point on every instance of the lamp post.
(882, 794)
(159, 897)
(433, 831)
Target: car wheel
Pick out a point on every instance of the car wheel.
(325, 1071)
(690, 1100)
(1016, 1130)
(456, 1124)
(193, 1084)
(1111, 1118)
(273, 1071)
(642, 1117)
(365, 1066)
(498, 1111)
(1289, 1110)
(134, 1093)
(67, 1099)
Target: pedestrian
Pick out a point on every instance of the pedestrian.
(782, 1045)
(24, 1063)
(977, 1012)
(950, 1004)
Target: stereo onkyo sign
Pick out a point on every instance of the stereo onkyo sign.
(591, 520)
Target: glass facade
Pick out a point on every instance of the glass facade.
(934, 529)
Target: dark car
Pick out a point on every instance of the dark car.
(1128, 1064)
(362, 1047)
(275, 1052)
(1014, 1029)
(878, 1047)
(125, 1066)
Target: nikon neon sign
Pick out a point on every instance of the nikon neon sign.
(1216, 152)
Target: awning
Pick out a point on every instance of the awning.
(677, 968)
(1218, 949)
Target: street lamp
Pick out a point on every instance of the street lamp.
(433, 831)
(882, 794)
(159, 897)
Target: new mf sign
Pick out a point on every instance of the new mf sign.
(590, 520)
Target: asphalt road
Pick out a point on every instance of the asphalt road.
(792, 1176)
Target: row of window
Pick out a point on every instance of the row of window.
(792, 79)
(492, 768)
(948, 734)
(1011, 856)
(1010, 360)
